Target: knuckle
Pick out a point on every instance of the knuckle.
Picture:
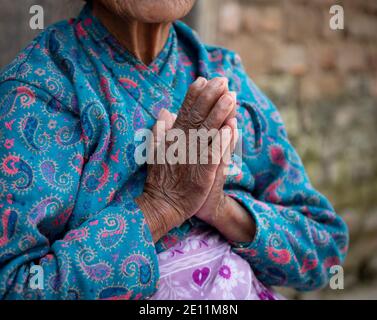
(211, 124)
(181, 124)
(182, 117)
(189, 100)
(192, 92)
(207, 125)
(195, 119)
(193, 89)
(215, 80)
(207, 96)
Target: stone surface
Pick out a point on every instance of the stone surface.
(290, 58)
(351, 57)
(363, 26)
(230, 17)
(302, 23)
(14, 22)
(268, 19)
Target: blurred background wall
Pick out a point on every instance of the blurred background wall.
(14, 22)
(324, 83)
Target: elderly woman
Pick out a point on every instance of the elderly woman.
(98, 225)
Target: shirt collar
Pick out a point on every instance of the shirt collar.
(87, 25)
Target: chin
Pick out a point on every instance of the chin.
(151, 11)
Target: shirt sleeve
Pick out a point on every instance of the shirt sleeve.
(108, 255)
(298, 234)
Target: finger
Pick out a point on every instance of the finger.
(220, 112)
(223, 166)
(214, 89)
(170, 121)
(193, 93)
(216, 150)
(233, 124)
(220, 177)
(226, 160)
(227, 156)
(163, 121)
(234, 110)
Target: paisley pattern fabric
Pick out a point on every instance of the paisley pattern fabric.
(203, 267)
(70, 105)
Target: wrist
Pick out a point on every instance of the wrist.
(160, 216)
(218, 218)
(235, 222)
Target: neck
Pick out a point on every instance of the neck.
(143, 40)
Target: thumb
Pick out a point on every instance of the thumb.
(163, 122)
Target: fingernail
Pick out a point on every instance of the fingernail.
(200, 82)
(219, 82)
(234, 95)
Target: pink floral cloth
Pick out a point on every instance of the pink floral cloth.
(203, 267)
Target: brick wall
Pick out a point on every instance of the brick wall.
(324, 83)
(14, 22)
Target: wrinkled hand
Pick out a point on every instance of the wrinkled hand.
(216, 204)
(175, 192)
